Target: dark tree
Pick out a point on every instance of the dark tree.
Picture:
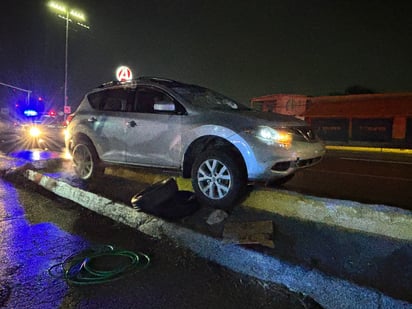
(357, 89)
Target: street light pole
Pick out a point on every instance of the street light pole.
(68, 14)
(66, 65)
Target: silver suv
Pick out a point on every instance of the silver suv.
(165, 124)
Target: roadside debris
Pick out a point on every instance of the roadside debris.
(246, 233)
(163, 199)
(216, 217)
(99, 265)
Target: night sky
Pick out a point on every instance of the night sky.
(241, 48)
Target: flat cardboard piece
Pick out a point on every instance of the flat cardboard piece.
(257, 232)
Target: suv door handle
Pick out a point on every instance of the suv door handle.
(131, 123)
(92, 119)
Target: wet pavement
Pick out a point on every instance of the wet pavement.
(39, 230)
(366, 259)
(369, 260)
(28, 251)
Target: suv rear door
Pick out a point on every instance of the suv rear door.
(108, 122)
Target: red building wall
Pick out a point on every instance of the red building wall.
(356, 116)
(286, 104)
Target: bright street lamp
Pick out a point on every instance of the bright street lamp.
(68, 14)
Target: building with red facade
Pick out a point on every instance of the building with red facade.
(286, 104)
(372, 119)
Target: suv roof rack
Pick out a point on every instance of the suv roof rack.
(156, 79)
(159, 80)
(110, 83)
(163, 81)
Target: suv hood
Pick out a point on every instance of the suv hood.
(252, 118)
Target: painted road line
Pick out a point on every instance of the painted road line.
(371, 149)
(376, 219)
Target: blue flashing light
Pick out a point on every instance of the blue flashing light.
(30, 112)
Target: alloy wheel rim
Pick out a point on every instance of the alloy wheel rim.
(214, 179)
(83, 162)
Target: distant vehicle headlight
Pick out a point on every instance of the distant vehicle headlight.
(272, 136)
(34, 132)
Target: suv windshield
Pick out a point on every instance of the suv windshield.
(206, 98)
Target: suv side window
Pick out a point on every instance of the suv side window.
(120, 99)
(146, 98)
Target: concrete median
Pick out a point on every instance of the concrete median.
(369, 218)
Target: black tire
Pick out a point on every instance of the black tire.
(150, 198)
(86, 161)
(180, 205)
(183, 204)
(218, 178)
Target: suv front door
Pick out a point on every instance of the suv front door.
(153, 136)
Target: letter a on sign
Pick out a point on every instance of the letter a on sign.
(123, 74)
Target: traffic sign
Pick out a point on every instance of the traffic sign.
(67, 109)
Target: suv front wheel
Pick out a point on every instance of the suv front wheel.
(218, 178)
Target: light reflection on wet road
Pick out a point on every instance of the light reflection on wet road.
(27, 252)
(35, 155)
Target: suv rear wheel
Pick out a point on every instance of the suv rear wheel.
(218, 178)
(86, 161)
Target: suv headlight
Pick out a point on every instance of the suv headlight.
(272, 136)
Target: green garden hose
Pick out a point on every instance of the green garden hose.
(100, 265)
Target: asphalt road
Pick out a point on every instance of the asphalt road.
(39, 231)
(372, 178)
(368, 260)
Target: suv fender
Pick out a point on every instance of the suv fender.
(230, 137)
